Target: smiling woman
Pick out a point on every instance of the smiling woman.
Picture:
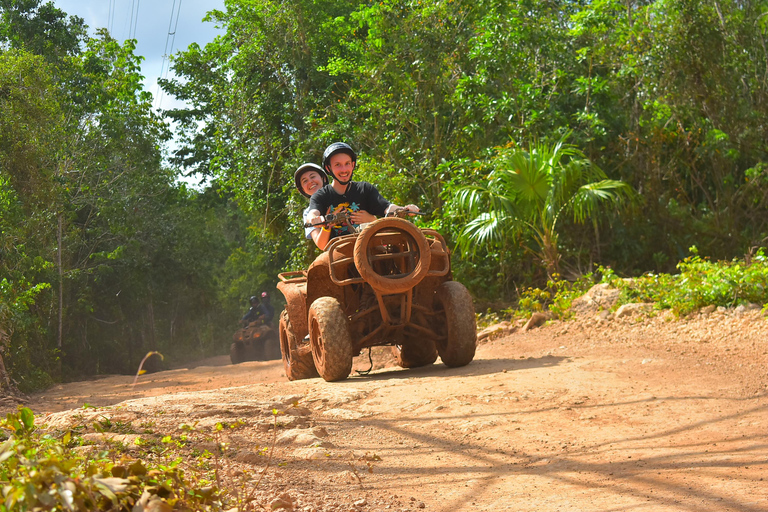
(309, 178)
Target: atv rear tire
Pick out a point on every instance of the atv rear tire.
(330, 340)
(297, 359)
(460, 328)
(421, 352)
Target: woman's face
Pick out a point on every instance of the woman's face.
(310, 182)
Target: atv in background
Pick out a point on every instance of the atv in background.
(389, 284)
(254, 342)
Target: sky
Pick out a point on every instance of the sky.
(161, 27)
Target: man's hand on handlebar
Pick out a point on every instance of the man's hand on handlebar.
(405, 211)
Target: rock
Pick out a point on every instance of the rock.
(603, 316)
(302, 437)
(283, 401)
(281, 504)
(282, 421)
(284, 502)
(248, 457)
(633, 309)
(127, 440)
(311, 453)
(343, 414)
(536, 320)
(744, 308)
(600, 296)
(498, 330)
(298, 411)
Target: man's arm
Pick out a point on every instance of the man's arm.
(410, 208)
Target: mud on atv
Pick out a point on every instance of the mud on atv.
(254, 342)
(387, 285)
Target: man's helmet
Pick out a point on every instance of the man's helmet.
(338, 147)
(305, 168)
(264, 295)
(253, 299)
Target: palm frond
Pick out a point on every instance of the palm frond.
(482, 231)
(587, 201)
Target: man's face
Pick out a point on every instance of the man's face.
(310, 182)
(342, 166)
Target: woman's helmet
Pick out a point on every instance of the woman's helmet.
(338, 147)
(306, 168)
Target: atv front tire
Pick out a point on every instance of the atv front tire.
(297, 359)
(458, 346)
(330, 340)
(237, 353)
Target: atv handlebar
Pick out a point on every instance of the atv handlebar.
(403, 212)
(332, 219)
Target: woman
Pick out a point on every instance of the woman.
(310, 178)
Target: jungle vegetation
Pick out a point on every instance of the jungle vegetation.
(643, 125)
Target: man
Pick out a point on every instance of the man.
(252, 314)
(359, 198)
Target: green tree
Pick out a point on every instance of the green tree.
(527, 193)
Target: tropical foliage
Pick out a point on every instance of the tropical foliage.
(528, 191)
(460, 106)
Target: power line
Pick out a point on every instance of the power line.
(111, 16)
(171, 36)
(136, 24)
(130, 24)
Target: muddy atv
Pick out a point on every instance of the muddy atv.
(387, 285)
(254, 342)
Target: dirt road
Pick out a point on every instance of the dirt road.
(631, 414)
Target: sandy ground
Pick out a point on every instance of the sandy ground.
(630, 414)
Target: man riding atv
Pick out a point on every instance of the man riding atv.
(379, 282)
(257, 339)
(362, 202)
(262, 312)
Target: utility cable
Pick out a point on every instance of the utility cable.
(171, 36)
(130, 23)
(136, 23)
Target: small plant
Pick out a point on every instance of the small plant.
(38, 471)
(701, 283)
(557, 297)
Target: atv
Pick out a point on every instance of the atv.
(388, 284)
(254, 342)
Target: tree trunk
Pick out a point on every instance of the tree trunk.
(8, 389)
(5, 379)
(61, 293)
(550, 254)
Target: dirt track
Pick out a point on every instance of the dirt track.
(624, 415)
